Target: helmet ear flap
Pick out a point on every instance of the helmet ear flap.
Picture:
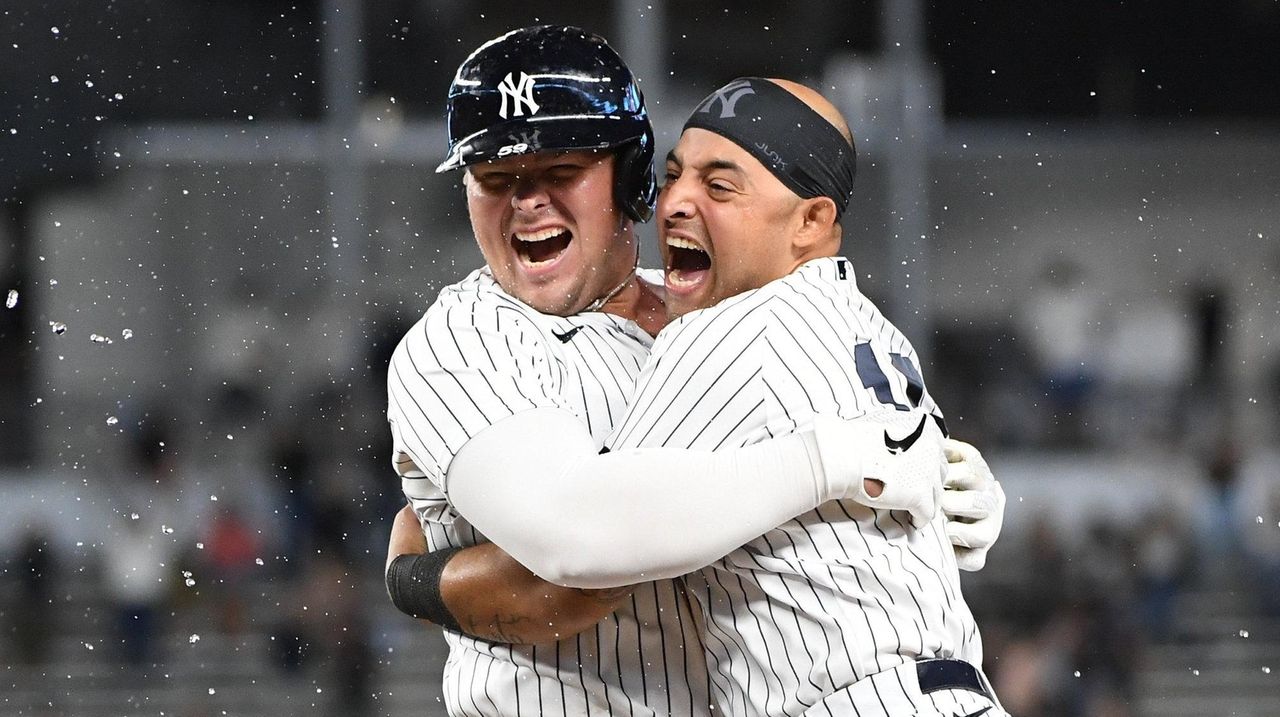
(634, 186)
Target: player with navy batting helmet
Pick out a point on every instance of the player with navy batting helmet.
(523, 368)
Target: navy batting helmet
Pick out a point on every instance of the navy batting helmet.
(552, 88)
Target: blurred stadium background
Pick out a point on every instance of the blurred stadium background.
(220, 214)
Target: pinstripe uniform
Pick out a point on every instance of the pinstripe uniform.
(480, 355)
(841, 592)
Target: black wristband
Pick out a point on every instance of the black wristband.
(413, 582)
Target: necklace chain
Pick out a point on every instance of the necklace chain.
(595, 305)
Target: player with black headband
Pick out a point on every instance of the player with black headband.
(524, 366)
(841, 610)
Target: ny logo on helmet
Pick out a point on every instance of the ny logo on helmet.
(520, 93)
(728, 96)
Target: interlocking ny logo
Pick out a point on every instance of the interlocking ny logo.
(728, 96)
(520, 94)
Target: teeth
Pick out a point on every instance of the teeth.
(682, 243)
(678, 278)
(541, 234)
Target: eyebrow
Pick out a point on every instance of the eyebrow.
(723, 164)
(710, 164)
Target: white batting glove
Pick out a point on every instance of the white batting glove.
(902, 450)
(973, 504)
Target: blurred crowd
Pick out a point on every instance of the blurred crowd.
(1070, 617)
(288, 561)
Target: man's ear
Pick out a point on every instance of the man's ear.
(817, 219)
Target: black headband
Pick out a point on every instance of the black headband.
(799, 146)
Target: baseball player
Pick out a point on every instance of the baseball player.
(847, 609)
(543, 347)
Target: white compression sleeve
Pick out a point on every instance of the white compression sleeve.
(534, 484)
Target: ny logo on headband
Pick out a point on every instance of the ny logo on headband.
(728, 97)
(520, 94)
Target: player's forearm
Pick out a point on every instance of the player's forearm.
(493, 597)
(487, 594)
(534, 485)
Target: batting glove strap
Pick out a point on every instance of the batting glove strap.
(840, 446)
(413, 582)
(901, 450)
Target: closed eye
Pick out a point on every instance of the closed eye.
(564, 171)
(494, 181)
(720, 189)
(669, 177)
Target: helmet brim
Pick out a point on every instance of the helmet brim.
(525, 137)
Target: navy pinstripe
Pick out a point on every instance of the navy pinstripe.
(841, 592)
(477, 356)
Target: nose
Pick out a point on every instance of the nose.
(674, 201)
(530, 195)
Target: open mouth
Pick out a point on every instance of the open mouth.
(687, 262)
(542, 246)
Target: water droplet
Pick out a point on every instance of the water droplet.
(191, 582)
(1244, 633)
(166, 530)
(88, 646)
(212, 691)
(119, 96)
(11, 300)
(126, 334)
(54, 30)
(53, 79)
(230, 437)
(199, 546)
(134, 516)
(1196, 672)
(259, 561)
(193, 639)
(112, 420)
(213, 498)
(1266, 670)
(57, 327)
(1076, 673)
(1259, 519)
(99, 339)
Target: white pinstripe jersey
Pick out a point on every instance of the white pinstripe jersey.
(840, 592)
(477, 356)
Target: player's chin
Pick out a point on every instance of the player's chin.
(555, 296)
(687, 290)
(551, 307)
